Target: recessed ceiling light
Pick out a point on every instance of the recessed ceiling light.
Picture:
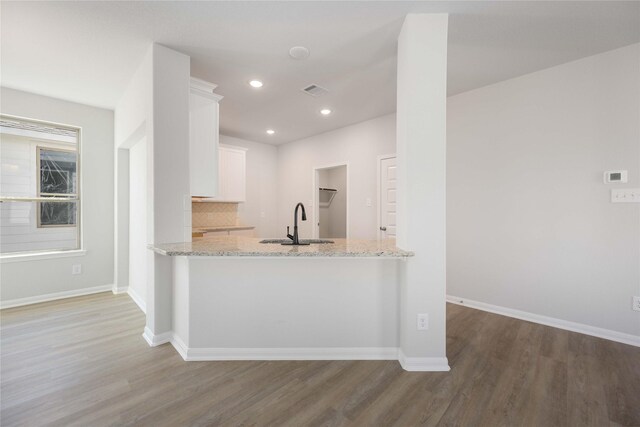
(325, 111)
(270, 131)
(299, 52)
(255, 83)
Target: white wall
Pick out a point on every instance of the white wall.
(133, 122)
(138, 251)
(358, 145)
(530, 225)
(260, 209)
(49, 276)
(155, 108)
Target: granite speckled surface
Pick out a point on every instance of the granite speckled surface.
(248, 246)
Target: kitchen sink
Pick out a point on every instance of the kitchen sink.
(303, 241)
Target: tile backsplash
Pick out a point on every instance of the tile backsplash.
(208, 214)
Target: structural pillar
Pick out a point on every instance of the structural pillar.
(421, 203)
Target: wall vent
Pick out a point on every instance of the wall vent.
(315, 90)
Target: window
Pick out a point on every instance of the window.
(57, 179)
(39, 186)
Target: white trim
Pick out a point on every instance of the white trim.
(315, 197)
(23, 257)
(119, 290)
(156, 340)
(54, 296)
(549, 321)
(180, 346)
(423, 364)
(137, 299)
(379, 160)
(294, 353)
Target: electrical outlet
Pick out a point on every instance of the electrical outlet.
(76, 269)
(636, 303)
(625, 195)
(423, 321)
(368, 202)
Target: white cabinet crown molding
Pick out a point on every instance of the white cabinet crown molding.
(204, 88)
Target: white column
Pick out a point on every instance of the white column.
(421, 154)
(169, 181)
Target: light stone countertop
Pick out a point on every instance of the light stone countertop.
(251, 247)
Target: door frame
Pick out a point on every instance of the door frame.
(379, 160)
(315, 196)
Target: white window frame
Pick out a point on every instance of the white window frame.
(70, 197)
(52, 253)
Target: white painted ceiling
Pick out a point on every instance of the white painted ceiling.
(87, 51)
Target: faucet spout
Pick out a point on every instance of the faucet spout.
(295, 240)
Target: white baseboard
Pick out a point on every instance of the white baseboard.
(423, 364)
(180, 346)
(549, 321)
(119, 290)
(297, 353)
(156, 340)
(54, 296)
(137, 299)
(432, 364)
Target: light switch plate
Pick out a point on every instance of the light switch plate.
(625, 195)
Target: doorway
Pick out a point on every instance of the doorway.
(387, 196)
(331, 202)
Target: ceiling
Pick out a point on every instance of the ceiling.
(87, 51)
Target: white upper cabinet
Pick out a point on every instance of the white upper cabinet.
(203, 138)
(232, 174)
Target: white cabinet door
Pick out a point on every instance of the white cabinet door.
(233, 174)
(203, 141)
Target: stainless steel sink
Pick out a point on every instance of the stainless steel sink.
(303, 241)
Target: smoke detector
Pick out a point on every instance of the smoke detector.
(315, 90)
(299, 52)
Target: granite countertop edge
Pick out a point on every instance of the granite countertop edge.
(250, 247)
(222, 254)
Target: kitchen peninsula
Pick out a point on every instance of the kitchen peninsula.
(235, 298)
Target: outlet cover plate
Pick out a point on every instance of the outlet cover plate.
(636, 303)
(423, 321)
(625, 195)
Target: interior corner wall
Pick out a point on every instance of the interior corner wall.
(25, 279)
(359, 145)
(530, 224)
(260, 208)
(133, 124)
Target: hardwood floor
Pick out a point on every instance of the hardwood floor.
(82, 361)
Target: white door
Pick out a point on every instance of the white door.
(387, 198)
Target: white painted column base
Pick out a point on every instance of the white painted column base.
(423, 364)
(416, 364)
(156, 340)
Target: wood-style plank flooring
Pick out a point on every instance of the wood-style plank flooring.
(82, 361)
